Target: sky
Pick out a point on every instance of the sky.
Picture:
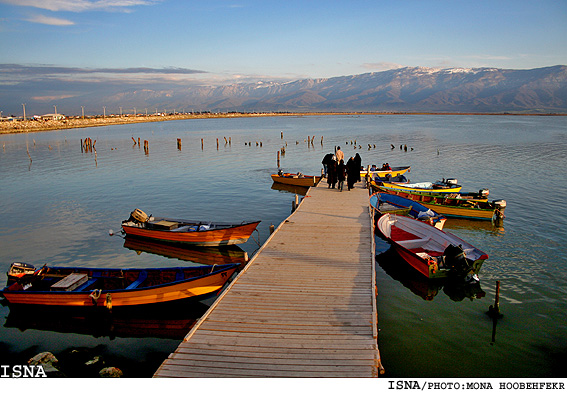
(221, 42)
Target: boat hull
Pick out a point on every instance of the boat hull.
(237, 234)
(292, 179)
(178, 290)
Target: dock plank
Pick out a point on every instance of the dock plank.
(304, 306)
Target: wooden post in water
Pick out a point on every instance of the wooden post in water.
(179, 143)
(278, 159)
(81, 145)
(217, 144)
(202, 144)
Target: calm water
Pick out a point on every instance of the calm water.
(59, 209)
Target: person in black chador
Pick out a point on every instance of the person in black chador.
(358, 163)
(341, 174)
(326, 160)
(353, 172)
(332, 173)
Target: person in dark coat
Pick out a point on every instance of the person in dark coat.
(326, 160)
(353, 172)
(341, 174)
(358, 163)
(332, 173)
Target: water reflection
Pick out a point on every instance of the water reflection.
(302, 191)
(201, 256)
(397, 268)
(487, 226)
(171, 321)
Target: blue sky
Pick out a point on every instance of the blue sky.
(218, 41)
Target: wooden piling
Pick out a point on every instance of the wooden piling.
(179, 143)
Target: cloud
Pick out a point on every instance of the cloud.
(381, 66)
(80, 5)
(46, 20)
(47, 70)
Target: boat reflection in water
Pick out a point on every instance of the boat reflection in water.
(232, 254)
(167, 321)
(397, 268)
(282, 187)
(495, 227)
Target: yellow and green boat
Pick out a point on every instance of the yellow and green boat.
(458, 205)
(438, 187)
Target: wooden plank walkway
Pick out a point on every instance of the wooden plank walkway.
(304, 306)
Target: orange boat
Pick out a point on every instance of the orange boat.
(115, 287)
(189, 232)
(296, 179)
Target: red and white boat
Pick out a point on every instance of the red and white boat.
(432, 252)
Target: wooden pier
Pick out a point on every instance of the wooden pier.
(304, 306)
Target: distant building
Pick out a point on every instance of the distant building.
(51, 117)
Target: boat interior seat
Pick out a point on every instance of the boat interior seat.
(86, 284)
(141, 277)
(414, 243)
(181, 229)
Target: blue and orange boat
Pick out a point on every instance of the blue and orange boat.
(114, 287)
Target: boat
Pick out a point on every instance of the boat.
(432, 252)
(382, 173)
(115, 287)
(296, 179)
(456, 205)
(188, 232)
(391, 203)
(438, 187)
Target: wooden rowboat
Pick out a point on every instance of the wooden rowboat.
(296, 179)
(114, 287)
(188, 232)
(390, 203)
(458, 205)
(432, 252)
(439, 187)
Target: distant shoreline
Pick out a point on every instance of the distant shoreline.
(25, 126)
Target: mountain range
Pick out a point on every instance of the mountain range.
(410, 89)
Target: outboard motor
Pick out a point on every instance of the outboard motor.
(483, 193)
(138, 216)
(500, 207)
(456, 260)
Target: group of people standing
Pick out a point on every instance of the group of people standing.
(336, 171)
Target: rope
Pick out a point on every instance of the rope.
(95, 296)
(256, 240)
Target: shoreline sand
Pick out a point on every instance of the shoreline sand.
(25, 126)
